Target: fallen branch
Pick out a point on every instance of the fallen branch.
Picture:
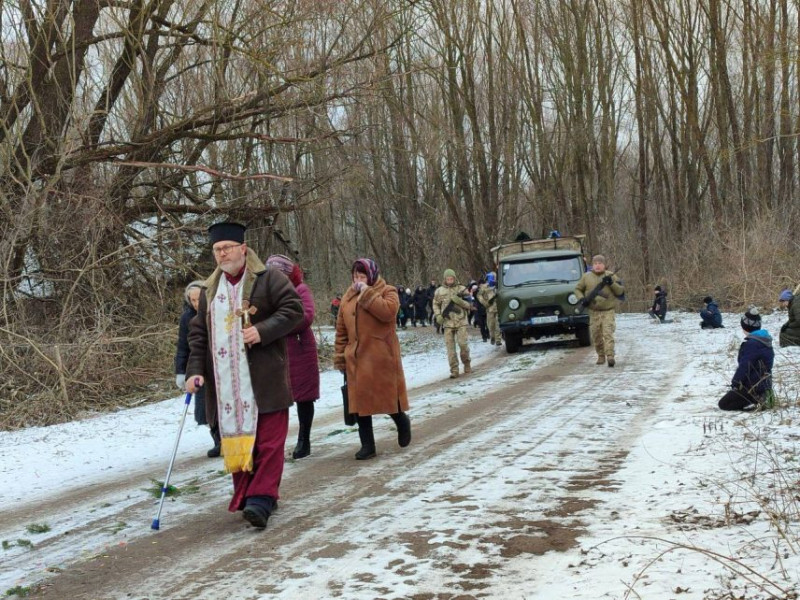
(210, 171)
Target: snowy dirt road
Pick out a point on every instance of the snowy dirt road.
(516, 477)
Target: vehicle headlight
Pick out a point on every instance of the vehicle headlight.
(514, 304)
(512, 316)
(572, 299)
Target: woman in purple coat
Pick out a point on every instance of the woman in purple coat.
(303, 360)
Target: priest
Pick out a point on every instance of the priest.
(237, 350)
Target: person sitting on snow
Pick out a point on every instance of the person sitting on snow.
(751, 385)
(790, 331)
(710, 315)
(659, 308)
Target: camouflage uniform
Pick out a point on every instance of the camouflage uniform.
(601, 312)
(488, 296)
(455, 324)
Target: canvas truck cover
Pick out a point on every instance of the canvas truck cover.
(567, 242)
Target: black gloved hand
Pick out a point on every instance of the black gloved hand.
(585, 302)
(608, 280)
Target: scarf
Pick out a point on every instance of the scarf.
(367, 266)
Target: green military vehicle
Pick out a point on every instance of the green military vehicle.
(536, 290)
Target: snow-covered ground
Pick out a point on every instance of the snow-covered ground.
(695, 504)
(41, 461)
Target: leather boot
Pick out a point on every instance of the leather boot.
(367, 438)
(403, 428)
(258, 509)
(467, 367)
(305, 415)
(600, 360)
(611, 361)
(217, 449)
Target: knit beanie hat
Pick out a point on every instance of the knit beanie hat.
(786, 296)
(751, 321)
(283, 263)
(658, 288)
(449, 273)
(708, 300)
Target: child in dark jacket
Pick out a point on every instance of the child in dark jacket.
(752, 383)
(659, 308)
(710, 315)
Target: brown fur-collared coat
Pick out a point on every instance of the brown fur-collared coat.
(368, 350)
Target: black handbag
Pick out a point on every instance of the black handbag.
(349, 418)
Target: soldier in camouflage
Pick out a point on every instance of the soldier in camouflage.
(450, 309)
(601, 308)
(487, 295)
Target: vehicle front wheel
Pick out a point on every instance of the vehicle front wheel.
(584, 336)
(513, 343)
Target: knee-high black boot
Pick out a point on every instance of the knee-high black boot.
(403, 428)
(367, 437)
(215, 451)
(305, 417)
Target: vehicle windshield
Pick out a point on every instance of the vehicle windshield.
(545, 270)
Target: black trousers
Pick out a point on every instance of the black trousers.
(737, 400)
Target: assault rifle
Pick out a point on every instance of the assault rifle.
(448, 309)
(587, 300)
(451, 306)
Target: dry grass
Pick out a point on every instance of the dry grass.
(738, 267)
(47, 380)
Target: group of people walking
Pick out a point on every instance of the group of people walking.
(247, 352)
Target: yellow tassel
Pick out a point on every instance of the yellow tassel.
(238, 453)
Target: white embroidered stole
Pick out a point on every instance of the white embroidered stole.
(237, 411)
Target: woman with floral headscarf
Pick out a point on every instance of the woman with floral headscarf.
(367, 351)
(301, 346)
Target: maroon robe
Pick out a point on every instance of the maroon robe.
(265, 479)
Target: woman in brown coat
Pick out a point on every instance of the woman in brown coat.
(368, 353)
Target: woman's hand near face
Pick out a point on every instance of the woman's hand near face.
(359, 282)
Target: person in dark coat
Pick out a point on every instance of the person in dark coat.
(420, 301)
(407, 304)
(790, 331)
(191, 300)
(400, 312)
(480, 312)
(659, 308)
(431, 292)
(752, 382)
(303, 360)
(710, 315)
(237, 349)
